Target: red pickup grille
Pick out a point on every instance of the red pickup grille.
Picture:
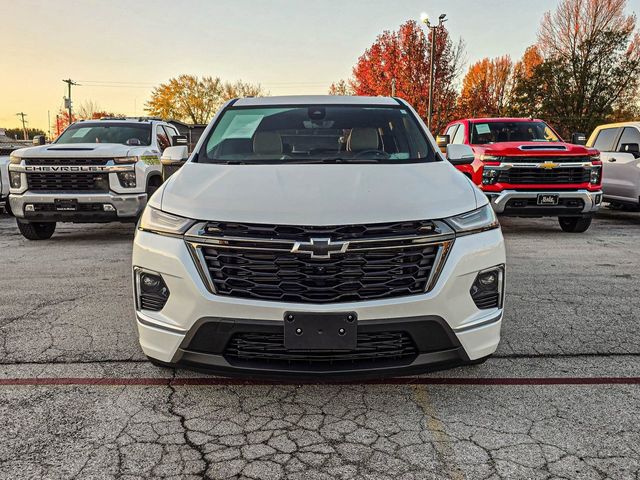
(544, 176)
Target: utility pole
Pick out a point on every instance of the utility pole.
(69, 82)
(24, 127)
(393, 87)
(434, 36)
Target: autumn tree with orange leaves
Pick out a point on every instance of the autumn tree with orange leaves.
(486, 88)
(400, 60)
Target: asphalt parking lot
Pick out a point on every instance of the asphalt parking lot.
(560, 399)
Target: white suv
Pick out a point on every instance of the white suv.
(318, 235)
(96, 171)
(619, 145)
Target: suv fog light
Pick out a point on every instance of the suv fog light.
(488, 288)
(151, 291)
(127, 179)
(15, 180)
(107, 207)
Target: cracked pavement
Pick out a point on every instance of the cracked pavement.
(572, 309)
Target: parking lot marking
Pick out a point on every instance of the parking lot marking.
(442, 442)
(97, 381)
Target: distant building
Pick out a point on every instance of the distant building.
(191, 131)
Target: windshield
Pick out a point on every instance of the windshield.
(123, 133)
(497, 132)
(316, 134)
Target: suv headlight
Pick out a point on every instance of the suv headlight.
(479, 220)
(157, 221)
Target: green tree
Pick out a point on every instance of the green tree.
(31, 132)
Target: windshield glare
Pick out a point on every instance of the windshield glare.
(498, 132)
(316, 134)
(123, 133)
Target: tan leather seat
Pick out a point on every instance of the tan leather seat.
(267, 143)
(361, 139)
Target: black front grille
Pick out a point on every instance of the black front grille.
(544, 176)
(351, 276)
(342, 232)
(66, 161)
(96, 182)
(372, 347)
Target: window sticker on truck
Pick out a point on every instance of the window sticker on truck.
(482, 128)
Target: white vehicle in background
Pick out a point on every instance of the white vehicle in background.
(4, 184)
(619, 145)
(314, 236)
(96, 171)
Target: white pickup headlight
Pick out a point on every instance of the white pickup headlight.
(14, 159)
(157, 221)
(125, 160)
(483, 218)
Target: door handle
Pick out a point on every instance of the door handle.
(611, 160)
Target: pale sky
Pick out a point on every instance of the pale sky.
(118, 50)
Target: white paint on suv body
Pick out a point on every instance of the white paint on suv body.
(320, 195)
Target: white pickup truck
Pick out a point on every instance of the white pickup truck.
(96, 171)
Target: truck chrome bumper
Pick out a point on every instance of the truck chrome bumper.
(125, 206)
(500, 201)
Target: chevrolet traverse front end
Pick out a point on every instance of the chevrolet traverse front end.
(308, 236)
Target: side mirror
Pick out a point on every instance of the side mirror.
(632, 148)
(39, 140)
(179, 140)
(578, 139)
(460, 154)
(442, 141)
(172, 159)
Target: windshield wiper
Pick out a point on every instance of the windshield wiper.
(337, 160)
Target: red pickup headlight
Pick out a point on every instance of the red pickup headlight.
(596, 175)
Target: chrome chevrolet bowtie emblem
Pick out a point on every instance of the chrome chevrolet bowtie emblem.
(320, 247)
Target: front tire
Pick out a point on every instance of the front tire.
(36, 230)
(574, 224)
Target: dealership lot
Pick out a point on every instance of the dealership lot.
(78, 398)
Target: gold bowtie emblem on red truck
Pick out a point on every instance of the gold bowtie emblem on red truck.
(548, 165)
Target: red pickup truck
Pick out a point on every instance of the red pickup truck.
(527, 170)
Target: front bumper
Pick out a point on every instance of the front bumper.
(524, 202)
(126, 207)
(447, 312)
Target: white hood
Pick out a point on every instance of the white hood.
(87, 150)
(325, 194)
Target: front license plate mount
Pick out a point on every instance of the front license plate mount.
(320, 331)
(66, 205)
(548, 199)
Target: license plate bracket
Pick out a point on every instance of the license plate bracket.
(66, 205)
(548, 199)
(320, 331)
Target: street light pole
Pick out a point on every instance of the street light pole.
(432, 66)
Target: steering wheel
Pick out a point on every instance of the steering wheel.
(375, 153)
